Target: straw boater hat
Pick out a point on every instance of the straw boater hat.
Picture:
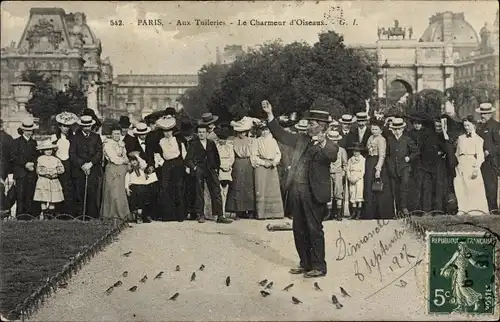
(318, 115)
(207, 119)
(357, 147)
(166, 123)
(28, 125)
(362, 116)
(346, 119)
(397, 123)
(333, 136)
(46, 145)
(242, 125)
(66, 118)
(302, 125)
(141, 128)
(86, 120)
(485, 108)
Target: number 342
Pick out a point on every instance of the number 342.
(115, 23)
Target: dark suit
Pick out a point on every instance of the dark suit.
(24, 151)
(353, 137)
(490, 169)
(400, 170)
(133, 143)
(190, 180)
(343, 141)
(309, 189)
(205, 165)
(85, 149)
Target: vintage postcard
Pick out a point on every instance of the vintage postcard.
(249, 161)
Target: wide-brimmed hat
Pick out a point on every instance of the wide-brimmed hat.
(66, 118)
(86, 120)
(333, 136)
(207, 119)
(223, 131)
(302, 125)
(245, 124)
(346, 119)
(124, 122)
(485, 108)
(186, 126)
(318, 115)
(141, 128)
(166, 123)
(170, 111)
(397, 123)
(46, 145)
(419, 116)
(28, 124)
(362, 116)
(357, 147)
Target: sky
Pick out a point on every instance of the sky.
(172, 49)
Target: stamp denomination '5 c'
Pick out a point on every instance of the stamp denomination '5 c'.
(461, 273)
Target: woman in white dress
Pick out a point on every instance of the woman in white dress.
(468, 182)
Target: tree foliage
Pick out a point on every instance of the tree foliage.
(292, 77)
(48, 102)
(467, 97)
(429, 101)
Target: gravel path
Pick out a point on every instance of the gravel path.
(247, 253)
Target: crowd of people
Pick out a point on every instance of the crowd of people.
(171, 168)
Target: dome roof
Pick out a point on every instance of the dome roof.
(461, 31)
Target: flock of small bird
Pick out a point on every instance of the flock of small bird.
(266, 284)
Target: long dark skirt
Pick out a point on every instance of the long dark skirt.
(241, 196)
(172, 199)
(67, 206)
(25, 190)
(378, 205)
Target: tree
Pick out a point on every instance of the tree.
(429, 101)
(467, 97)
(48, 102)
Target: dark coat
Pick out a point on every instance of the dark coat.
(132, 144)
(22, 152)
(85, 149)
(153, 145)
(198, 157)
(319, 166)
(397, 150)
(353, 137)
(490, 133)
(6, 142)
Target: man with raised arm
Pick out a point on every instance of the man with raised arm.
(308, 187)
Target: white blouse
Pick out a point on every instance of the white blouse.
(115, 152)
(62, 146)
(170, 148)
(470, 147)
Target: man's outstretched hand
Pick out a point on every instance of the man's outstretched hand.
(266, 106)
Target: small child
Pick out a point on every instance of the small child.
(226, 154)
(141, 188)
(355, 174)
(337, 172)
(48, 189)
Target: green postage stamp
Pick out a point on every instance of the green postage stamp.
(461, 273)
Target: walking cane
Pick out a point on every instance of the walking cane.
(345, 201)
(85, 196)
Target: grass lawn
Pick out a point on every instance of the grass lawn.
(32, 251)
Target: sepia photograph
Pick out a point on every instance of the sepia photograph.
(250, 160)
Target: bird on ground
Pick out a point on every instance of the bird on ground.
(144, 279)
(118, 283)
(63, 284)
(202, 267)
(336, 302)
(268, 286)
(177, 268)
(159, 275)
(316, 286)
(296, 300)
(343, 292)
(228, 281)
(264, 293)
(125, 274)
(127, 254)
(263, 282)
(109, 290)
(174, 297)
(133, 289)
(193, 276)
(288, 287)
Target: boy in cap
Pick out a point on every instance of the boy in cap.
(337, 172)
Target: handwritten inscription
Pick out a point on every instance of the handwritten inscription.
(347, 249)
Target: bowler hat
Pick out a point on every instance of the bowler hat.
(124, 122)
(170, 111)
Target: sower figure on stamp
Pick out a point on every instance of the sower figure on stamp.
(489, 130)
(203, 160)
(401, 151)
(308, 187)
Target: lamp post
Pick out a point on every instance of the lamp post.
(131, 106)
(386, 66)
